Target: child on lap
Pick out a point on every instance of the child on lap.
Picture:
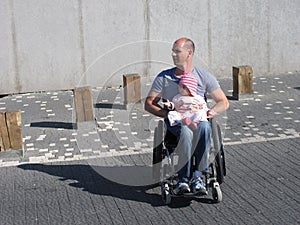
(187, 107)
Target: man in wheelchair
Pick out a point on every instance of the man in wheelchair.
(196, 141)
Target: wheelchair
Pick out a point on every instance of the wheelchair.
(164, 164)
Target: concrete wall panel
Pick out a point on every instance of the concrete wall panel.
(173, 19)
(47, 42)
(284, 36)
(239, 35)
(54, 45)
(114, 36)
(7, 59)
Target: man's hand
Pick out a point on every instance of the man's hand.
(221, 105)
(211, 113)
(169, 105)
(152, 106)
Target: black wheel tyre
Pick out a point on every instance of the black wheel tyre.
(219, 160)
(215, 134)
(157, 154)
(223, 160)
(220, 168)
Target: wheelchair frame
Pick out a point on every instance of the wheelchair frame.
(163, 163)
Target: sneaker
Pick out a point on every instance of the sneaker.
(182, 187)
(198, 186)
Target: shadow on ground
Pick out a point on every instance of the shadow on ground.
(51, 124)
(89, 179)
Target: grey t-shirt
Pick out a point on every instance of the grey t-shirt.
(166, 83)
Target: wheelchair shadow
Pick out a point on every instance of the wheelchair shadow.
(88, 179)
(93, 179)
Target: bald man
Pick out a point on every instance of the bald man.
(165, 87)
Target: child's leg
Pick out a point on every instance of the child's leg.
(191, 124)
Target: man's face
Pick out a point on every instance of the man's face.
(179, 54)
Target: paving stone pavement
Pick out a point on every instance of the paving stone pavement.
(100, 172)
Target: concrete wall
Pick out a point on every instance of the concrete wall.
(54, 45)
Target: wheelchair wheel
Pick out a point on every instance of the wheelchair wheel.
(216, 192)
(218, 146)
(222, 155)
(157, 154)
(165, 194)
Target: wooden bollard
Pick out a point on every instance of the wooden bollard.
(132, 89)
(84, 104)
(242, 81)
(10, 131)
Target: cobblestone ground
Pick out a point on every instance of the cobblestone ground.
(100, 173)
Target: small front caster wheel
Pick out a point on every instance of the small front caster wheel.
(165, 194)
(216, 192)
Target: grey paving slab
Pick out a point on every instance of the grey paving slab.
(77, 193)
(102, 174)
(51, 134)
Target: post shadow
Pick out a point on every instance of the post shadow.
(54, 124)
(110, 106)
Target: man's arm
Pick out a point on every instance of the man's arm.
(221, 105)
(152, 106)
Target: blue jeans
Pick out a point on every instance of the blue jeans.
(189, 143)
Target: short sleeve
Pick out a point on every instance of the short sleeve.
(212, 83)
(157, 85)
(207, 83)
(166, 84)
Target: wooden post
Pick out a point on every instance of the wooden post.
(13, 121)
(10, 131)
(132, 89)
(242, 81)
(5, 144)
(84, 104)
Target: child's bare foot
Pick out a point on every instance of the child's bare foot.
(186, 121)
(193, 126)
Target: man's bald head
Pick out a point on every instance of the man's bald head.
(186, 43)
